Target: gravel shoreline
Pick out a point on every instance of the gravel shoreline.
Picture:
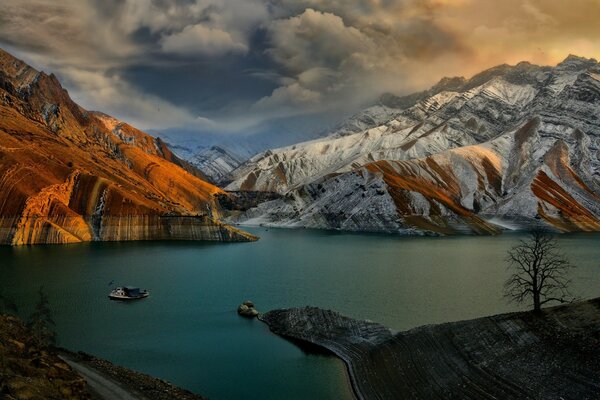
(29, 371)
(138, 383)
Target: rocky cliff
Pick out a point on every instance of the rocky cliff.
(512, 356)
(68, 175)
(509, 146)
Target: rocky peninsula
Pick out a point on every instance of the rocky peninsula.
(511, 356)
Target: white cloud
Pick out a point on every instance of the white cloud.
(292, 98)
(201, 40)
(320, 78)
(206, 123)
(314, 39)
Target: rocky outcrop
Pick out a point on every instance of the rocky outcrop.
(246, 309)
(68, 175)
(508, 147)
(511, 356)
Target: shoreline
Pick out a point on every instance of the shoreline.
(509, 356)
(33, 370)
(136, 383)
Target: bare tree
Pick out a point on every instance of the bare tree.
(41, 322)
(539, 271)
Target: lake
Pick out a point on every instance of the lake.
(188, 332)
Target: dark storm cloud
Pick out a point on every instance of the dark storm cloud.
(179, 48)
(234, 64)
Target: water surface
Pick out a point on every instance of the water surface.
(187, 331)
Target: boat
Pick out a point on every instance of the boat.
(128, 293)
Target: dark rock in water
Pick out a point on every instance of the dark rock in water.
(510, 356)
(246, 309)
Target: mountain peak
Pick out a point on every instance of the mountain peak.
(449, 83)
(574, 57)
(7, 58)
(15, 70)
(577, 61)
(524, 64)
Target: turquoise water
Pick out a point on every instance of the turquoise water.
(187, 331)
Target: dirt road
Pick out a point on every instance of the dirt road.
(101, 386)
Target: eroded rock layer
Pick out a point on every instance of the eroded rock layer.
(68, 175)
(511, 146)
(512, 356)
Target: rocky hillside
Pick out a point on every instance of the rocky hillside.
(512, 356)
(30, 372)
(68, 175)
(156, 146)
(510, 145)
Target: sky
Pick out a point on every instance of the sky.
(239, 66)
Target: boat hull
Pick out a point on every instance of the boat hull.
(128, 298)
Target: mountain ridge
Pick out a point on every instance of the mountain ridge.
(65, 177)
(512, 142)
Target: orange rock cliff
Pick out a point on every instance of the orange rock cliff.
(70, 175)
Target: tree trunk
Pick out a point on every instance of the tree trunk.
(537, 307)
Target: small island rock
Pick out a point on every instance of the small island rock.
(246, 309)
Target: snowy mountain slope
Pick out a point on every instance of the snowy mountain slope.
(515, 178)
(370, 117)
(474, 111)
(216, 162)
(509, 150)
(217, 154)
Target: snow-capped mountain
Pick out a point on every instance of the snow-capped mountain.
(375, 115)
(510, 145)
(218, 153)
(216, 163)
